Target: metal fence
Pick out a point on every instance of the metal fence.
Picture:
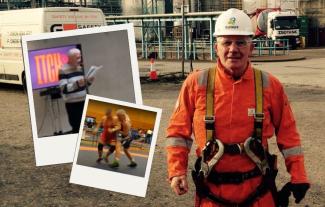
(271, 47)
(202, 50)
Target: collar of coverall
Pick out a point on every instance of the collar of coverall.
(247, 75)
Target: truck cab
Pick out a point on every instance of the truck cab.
(283, 25)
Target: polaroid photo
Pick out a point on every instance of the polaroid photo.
(115, 146)
(61, 68)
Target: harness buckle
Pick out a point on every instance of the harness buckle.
(211, 154)
(209, 122)
(209, 150)
(256, 152)
(204, 169)
(259, 116)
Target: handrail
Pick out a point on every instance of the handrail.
(201, 49)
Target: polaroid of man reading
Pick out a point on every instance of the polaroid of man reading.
(116, 142)
(61, 68)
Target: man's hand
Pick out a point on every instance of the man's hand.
(112, 130)
(81, 82)
(179, 184)
(91, 79)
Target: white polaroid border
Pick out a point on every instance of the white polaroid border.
(60, 149)
(109, 180)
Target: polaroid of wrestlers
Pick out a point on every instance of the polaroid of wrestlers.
(116, 142)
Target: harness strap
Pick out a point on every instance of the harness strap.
(259, 115)
(209, 116)
(234, 149)
(233, 177)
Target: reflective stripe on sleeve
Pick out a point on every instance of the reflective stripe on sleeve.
(176, 141)
(292, 151)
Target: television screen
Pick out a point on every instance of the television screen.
(45, 65)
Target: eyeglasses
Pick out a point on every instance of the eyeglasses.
(238, 43)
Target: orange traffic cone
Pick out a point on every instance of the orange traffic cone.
(153, 73)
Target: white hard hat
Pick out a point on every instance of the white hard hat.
(233, 22)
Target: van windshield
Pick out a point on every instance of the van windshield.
(281, 23)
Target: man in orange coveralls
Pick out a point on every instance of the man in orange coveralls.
(235, 179)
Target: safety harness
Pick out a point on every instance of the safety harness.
(214, 149)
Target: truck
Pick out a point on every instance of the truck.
(16, 23)
(275, 24)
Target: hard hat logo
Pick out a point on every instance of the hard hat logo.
(231, 24)
(232, 21)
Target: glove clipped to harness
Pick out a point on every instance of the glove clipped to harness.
(283, 195)
(299, 190)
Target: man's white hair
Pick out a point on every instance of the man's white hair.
(73, 51)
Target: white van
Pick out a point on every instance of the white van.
(16, 23)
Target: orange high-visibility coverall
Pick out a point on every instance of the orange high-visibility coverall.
(234, 106)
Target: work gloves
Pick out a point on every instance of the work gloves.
(283, 195)
(298, 190)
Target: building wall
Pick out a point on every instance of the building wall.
(131, 7)
(315, 10)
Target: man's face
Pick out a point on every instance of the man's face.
(75, 59)
(233, 52)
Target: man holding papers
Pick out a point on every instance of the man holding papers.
(73, 84)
